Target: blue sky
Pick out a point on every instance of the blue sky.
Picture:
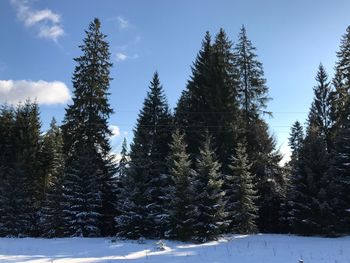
(39, 40)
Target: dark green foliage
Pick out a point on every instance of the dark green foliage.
(240, 206)
(22, 184)
(310, 191)
(182, 205)
(341, 80)
(81, 195)
(252, 84)
(261, 147)
(86, 123)
(145, 205)
(53, 167)
(210, 215)
(210, 99)
(321, 108)
(340, 174)
(296, 140)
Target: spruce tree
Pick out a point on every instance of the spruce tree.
(341, 80)
(261, 146)
(321, 108)
(209, 218)
(10, 185)
(310, 192)
(86, 123)
(240, 206)
(182, 204)
(210, 99)
(340, 174)
(146, 203)
(296, 141)
(123, 162)
(253, 92)
(27, 165)
(121, 180)
(53, 166)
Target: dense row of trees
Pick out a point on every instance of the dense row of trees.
(318, 192)
(211, 167)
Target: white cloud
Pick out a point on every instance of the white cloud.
(46, 22)
(121, 56)
(14, 91)
(115, 131)
(286, 151)
(122, 22)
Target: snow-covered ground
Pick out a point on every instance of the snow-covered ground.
(240, 249)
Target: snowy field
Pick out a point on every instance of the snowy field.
(240, 249)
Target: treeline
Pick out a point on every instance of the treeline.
(318, 193)
(208, 168)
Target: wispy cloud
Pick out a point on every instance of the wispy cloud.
(45, 21)
(122, 22)
(123, 56)
(14, 91)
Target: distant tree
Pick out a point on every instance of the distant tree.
(86, 123)
(182, 204)
(209, 203)
(296, 140)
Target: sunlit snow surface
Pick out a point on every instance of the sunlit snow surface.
(240, 249)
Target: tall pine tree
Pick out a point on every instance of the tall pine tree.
(86, 139)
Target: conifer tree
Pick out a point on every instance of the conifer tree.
(81, 194)
(311, 211)
(122, 190)
(210, 99)
(296, 141)
(341, 80)
(123, 162)
(27, 165)
(53, 166)
(182, 205)
(260, 146)
(253, 91)
(145, 211)
(321, 108)
(86, 123)
(340, 178)
(10, 186)
(241, 208)
(209, 203)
